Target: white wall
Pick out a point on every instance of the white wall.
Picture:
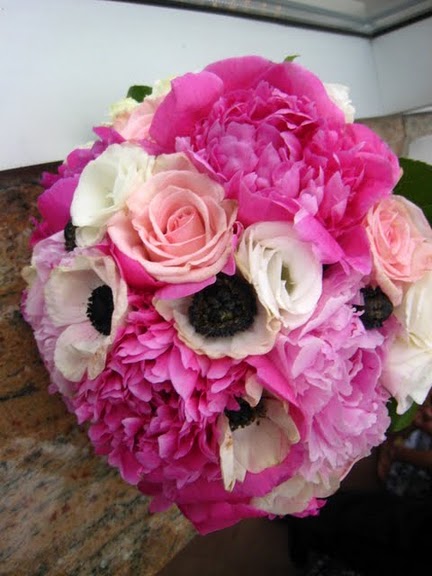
(404, 67)
(62, 62)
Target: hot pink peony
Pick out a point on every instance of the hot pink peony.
(282, 149)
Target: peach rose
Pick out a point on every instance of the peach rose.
(177, 225)
(401, 244)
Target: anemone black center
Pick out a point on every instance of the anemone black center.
(377, 307)
(245, 415)
(100, 308)
(69, 236)
(226, 307)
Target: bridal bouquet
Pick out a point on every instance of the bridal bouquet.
(226, 288)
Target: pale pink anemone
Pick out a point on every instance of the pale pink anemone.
(281, 147)
(330, 368)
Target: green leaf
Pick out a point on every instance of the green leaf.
(416, 184)
(400, 421)
(291, 58)
(138, 93)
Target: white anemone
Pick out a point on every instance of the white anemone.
(261, 444)
(81, 346)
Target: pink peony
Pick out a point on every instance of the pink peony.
(401, 243)
(153, 409)
(282, 149)
(177, 226)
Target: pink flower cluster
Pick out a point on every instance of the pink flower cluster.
(218, 286)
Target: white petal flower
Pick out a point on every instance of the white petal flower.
(339, 94)
(293, 496)
(263, 443)
(104, 186)
(74, 297)
(259, 338)
(284, 271)
(408, 366)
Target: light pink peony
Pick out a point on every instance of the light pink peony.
(47, 255)
(177, 225)
(330, 369)
(401, 243)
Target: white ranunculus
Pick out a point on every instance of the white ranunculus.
(408, 367)
(339, 94)
(103, 188)
(284, 271)
(262, 444)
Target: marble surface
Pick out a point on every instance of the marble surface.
(62, 509)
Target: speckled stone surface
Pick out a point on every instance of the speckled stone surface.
(62, 509)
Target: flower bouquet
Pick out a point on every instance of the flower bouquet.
(225, 286)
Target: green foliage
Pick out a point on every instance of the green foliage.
(291, 58)
(400, 421)
(416, 184)
(138, 93)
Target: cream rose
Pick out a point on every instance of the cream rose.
(339, 94)
(408, 365)
(103, 187)
(284, 271)
(401, 244)
(177, 225)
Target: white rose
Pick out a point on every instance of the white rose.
(407, 371)
(339, 95)
(284, 271)
(104, 186)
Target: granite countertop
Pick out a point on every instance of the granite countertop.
(63, 510)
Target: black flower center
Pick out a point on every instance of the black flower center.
(69, 236)
(226, 307)
(100, 308)
(245, 415)
(377, 307)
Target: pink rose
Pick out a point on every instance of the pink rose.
(401, 245)
(177, 225)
